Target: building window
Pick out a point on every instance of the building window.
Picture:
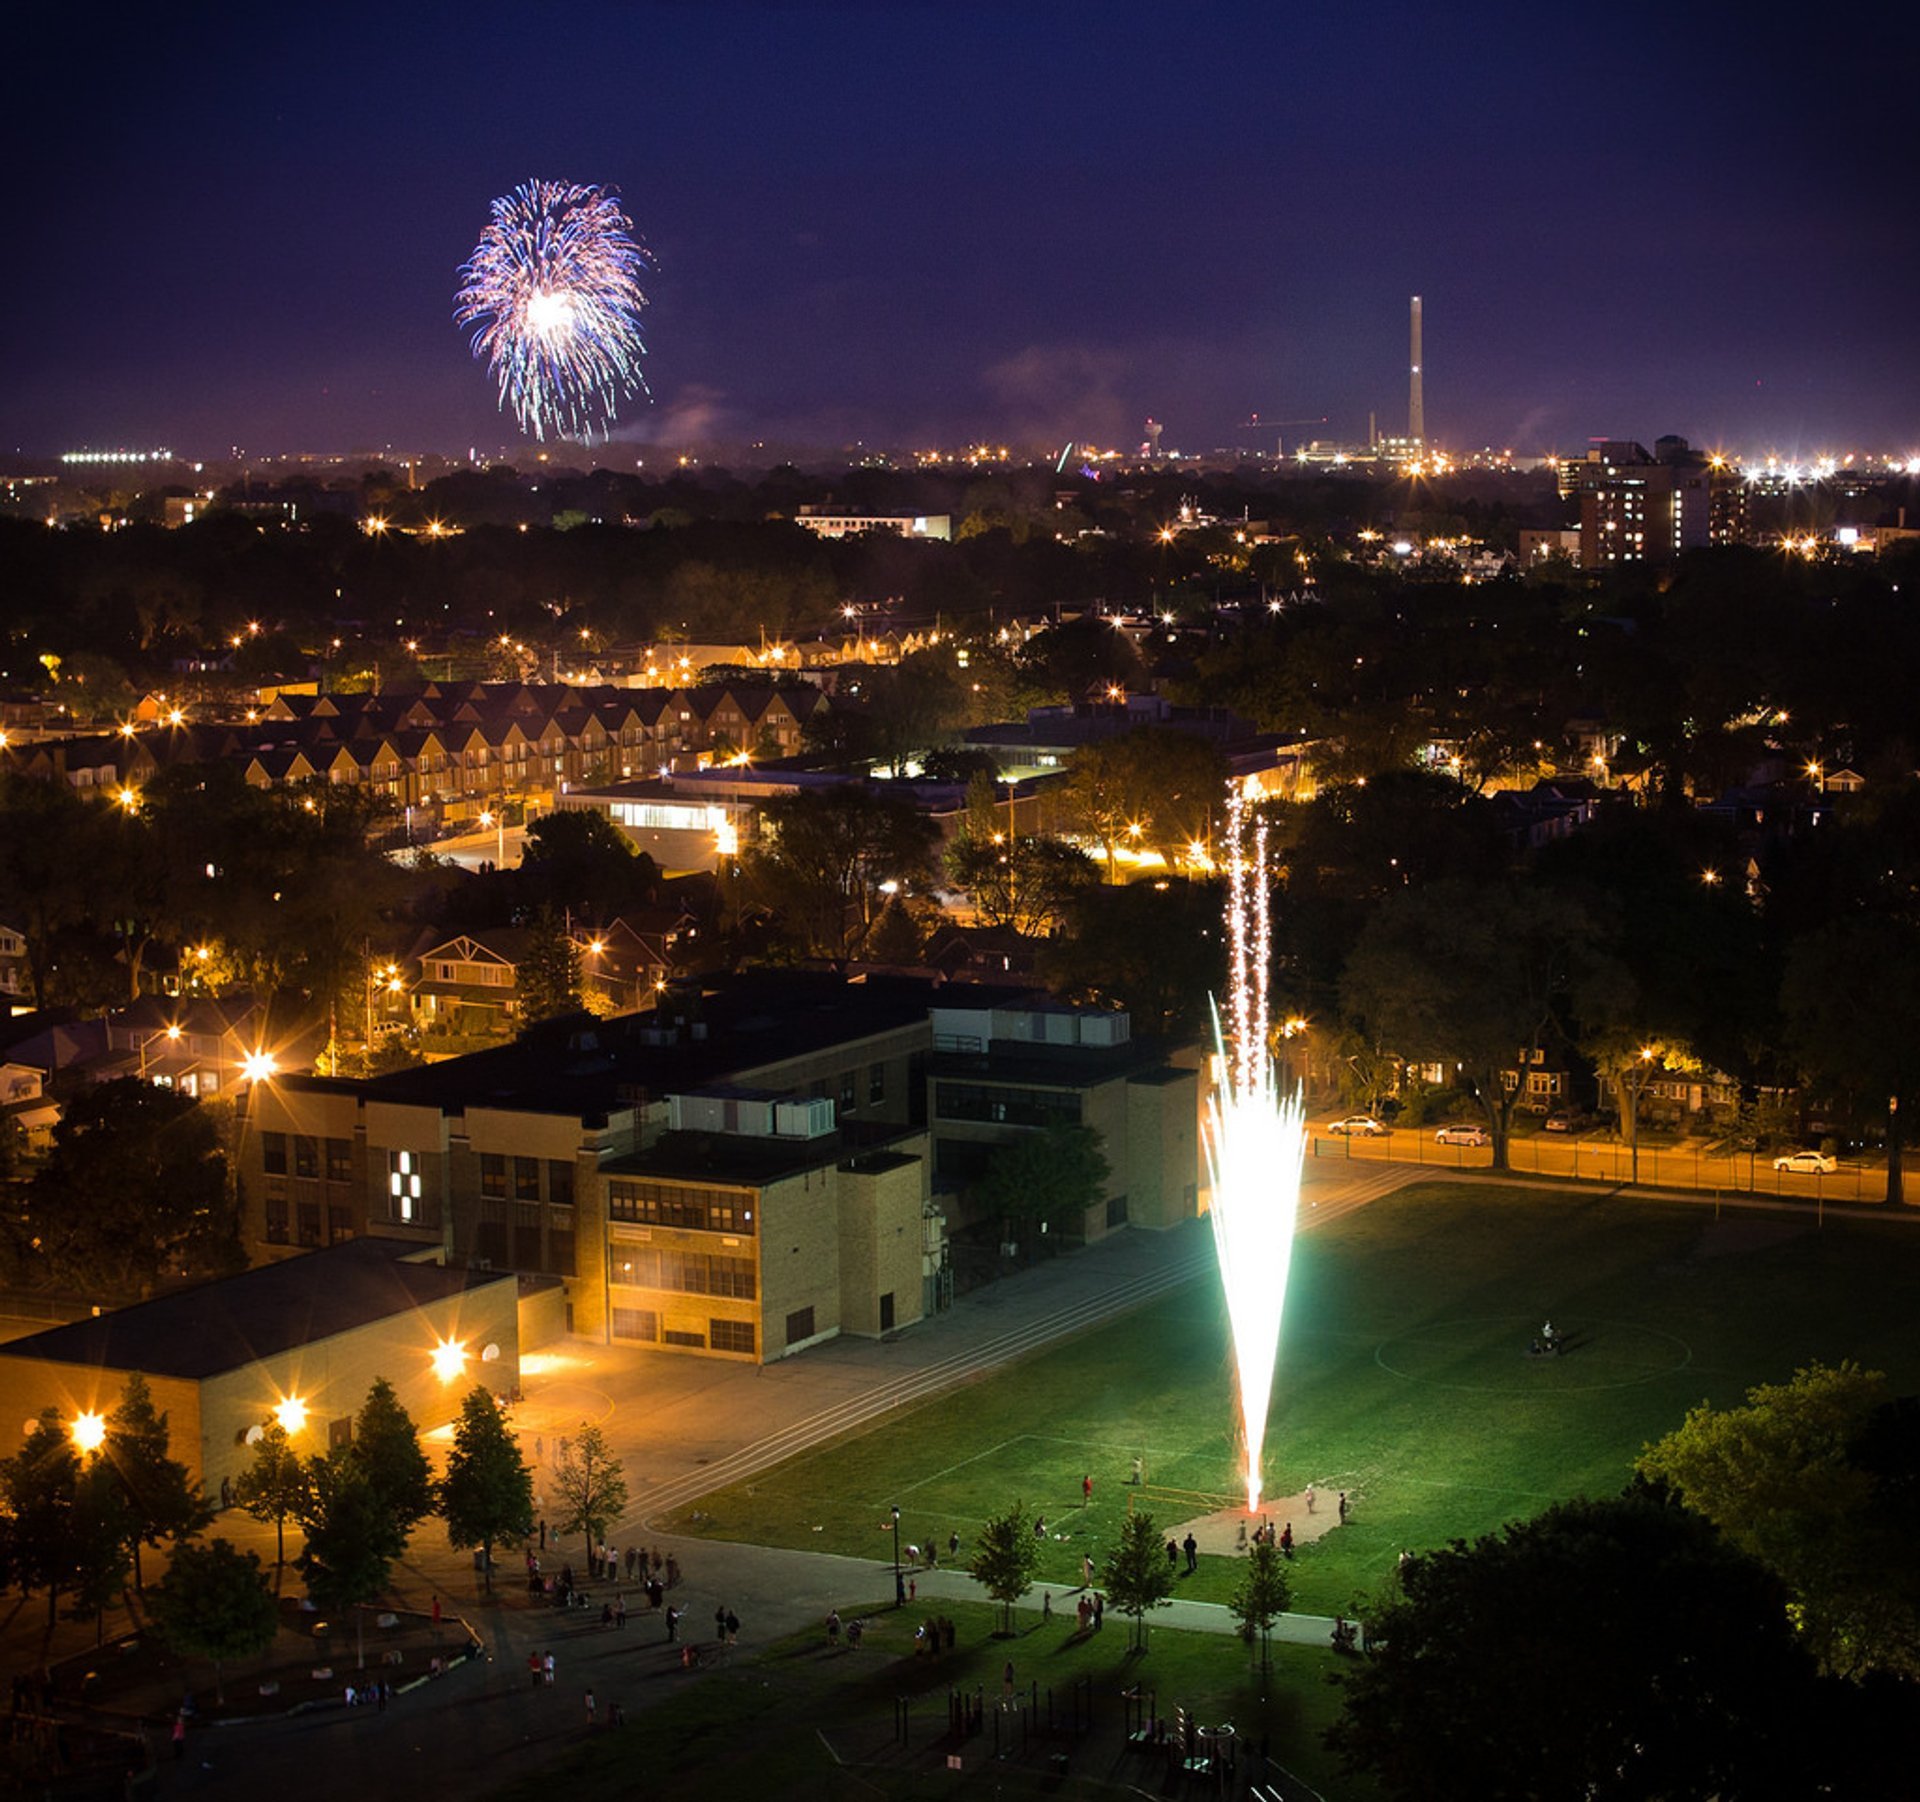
(273, 1153)
(404, 1188)
(799, 1325)
(876, 1084)
(1005, 1107)
(688, 1272)
(731, 1335)
(560, 1182)
(339, 1160)
(493, 1175)
(642, 1324)
(307, 1220)
(680, 1336)
(676, 1204)
(526, 1179)
(849, 1091)
(306, 1156)
(490, 1243)
(1116, 1210)
(339, 1224)
(276, 1220)
(560, 1254)
(526, 1238)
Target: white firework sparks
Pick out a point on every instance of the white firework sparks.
(1256, 1145)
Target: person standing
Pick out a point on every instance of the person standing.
(619, 1613)
(733, 1627)
(179, 1736)
(1343, 1507)
(720, 1623)
(1309, 1498)
(1173, 1554)
(1191, 1547)
(1099, 1611)
(546, 1669)
(1086, 1570)
(1086, 1490)
(673, 1624)
(589, 1708)
(1286, 1539)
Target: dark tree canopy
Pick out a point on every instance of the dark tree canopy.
(1604, 1651)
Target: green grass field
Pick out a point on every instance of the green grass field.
(1403, 1379)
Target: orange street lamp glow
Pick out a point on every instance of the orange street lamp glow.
(449, 1358)
(291, 1413)
(258, 1066)
(89, 1431)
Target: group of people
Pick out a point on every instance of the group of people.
(931, 1637)
(1190, 1546)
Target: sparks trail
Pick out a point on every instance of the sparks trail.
(1256, 1142)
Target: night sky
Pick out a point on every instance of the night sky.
(906, 223)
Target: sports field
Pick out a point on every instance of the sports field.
(1404, 1379)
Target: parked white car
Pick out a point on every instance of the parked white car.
(1462, 1135)
(1358, 1126)
(1808, 1163)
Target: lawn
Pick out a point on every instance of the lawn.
(803, 1719)
(1403, 1379)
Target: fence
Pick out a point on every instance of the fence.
(1606, 1161)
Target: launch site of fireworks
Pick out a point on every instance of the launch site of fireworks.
(960, 902)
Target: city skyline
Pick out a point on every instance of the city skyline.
(900, 225)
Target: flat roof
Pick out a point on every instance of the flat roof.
(753, 1162)
(237, 1320)
(585, 1068)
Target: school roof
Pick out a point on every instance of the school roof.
(235, 1321)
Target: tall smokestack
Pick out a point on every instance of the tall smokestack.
(1416, 407)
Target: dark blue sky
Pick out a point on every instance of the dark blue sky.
(900, 222)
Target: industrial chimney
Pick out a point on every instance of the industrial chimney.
(1416, 407)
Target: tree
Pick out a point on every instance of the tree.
(590, 1488)
(352, 1541)
(1005, 1556)
(549, 972)
(1154, 948)
(1470, 974)
(135, 1187)
(1261, 1597)
(487, 1493)
(1155, 789)
(1611, 1650)
(274, 1486)
(1784, 1479)
(215, 1603)
(1137, 1575)
(826, 853)
(578, 860)
(386, 1447)
(1028, 882)
(163, 1501)
(896, 940)
(1851, 994)
(1044, 1177)
(68, 1527)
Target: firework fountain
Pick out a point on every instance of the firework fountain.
(1256, 1142)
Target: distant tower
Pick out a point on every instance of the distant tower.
(1154, 429)
(1416, 407)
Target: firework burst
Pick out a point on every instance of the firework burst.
(1256, 1142)
(552, 292)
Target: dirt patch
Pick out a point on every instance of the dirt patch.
(1226, 1532)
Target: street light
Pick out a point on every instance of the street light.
(899, 1582)
(169, 1033)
